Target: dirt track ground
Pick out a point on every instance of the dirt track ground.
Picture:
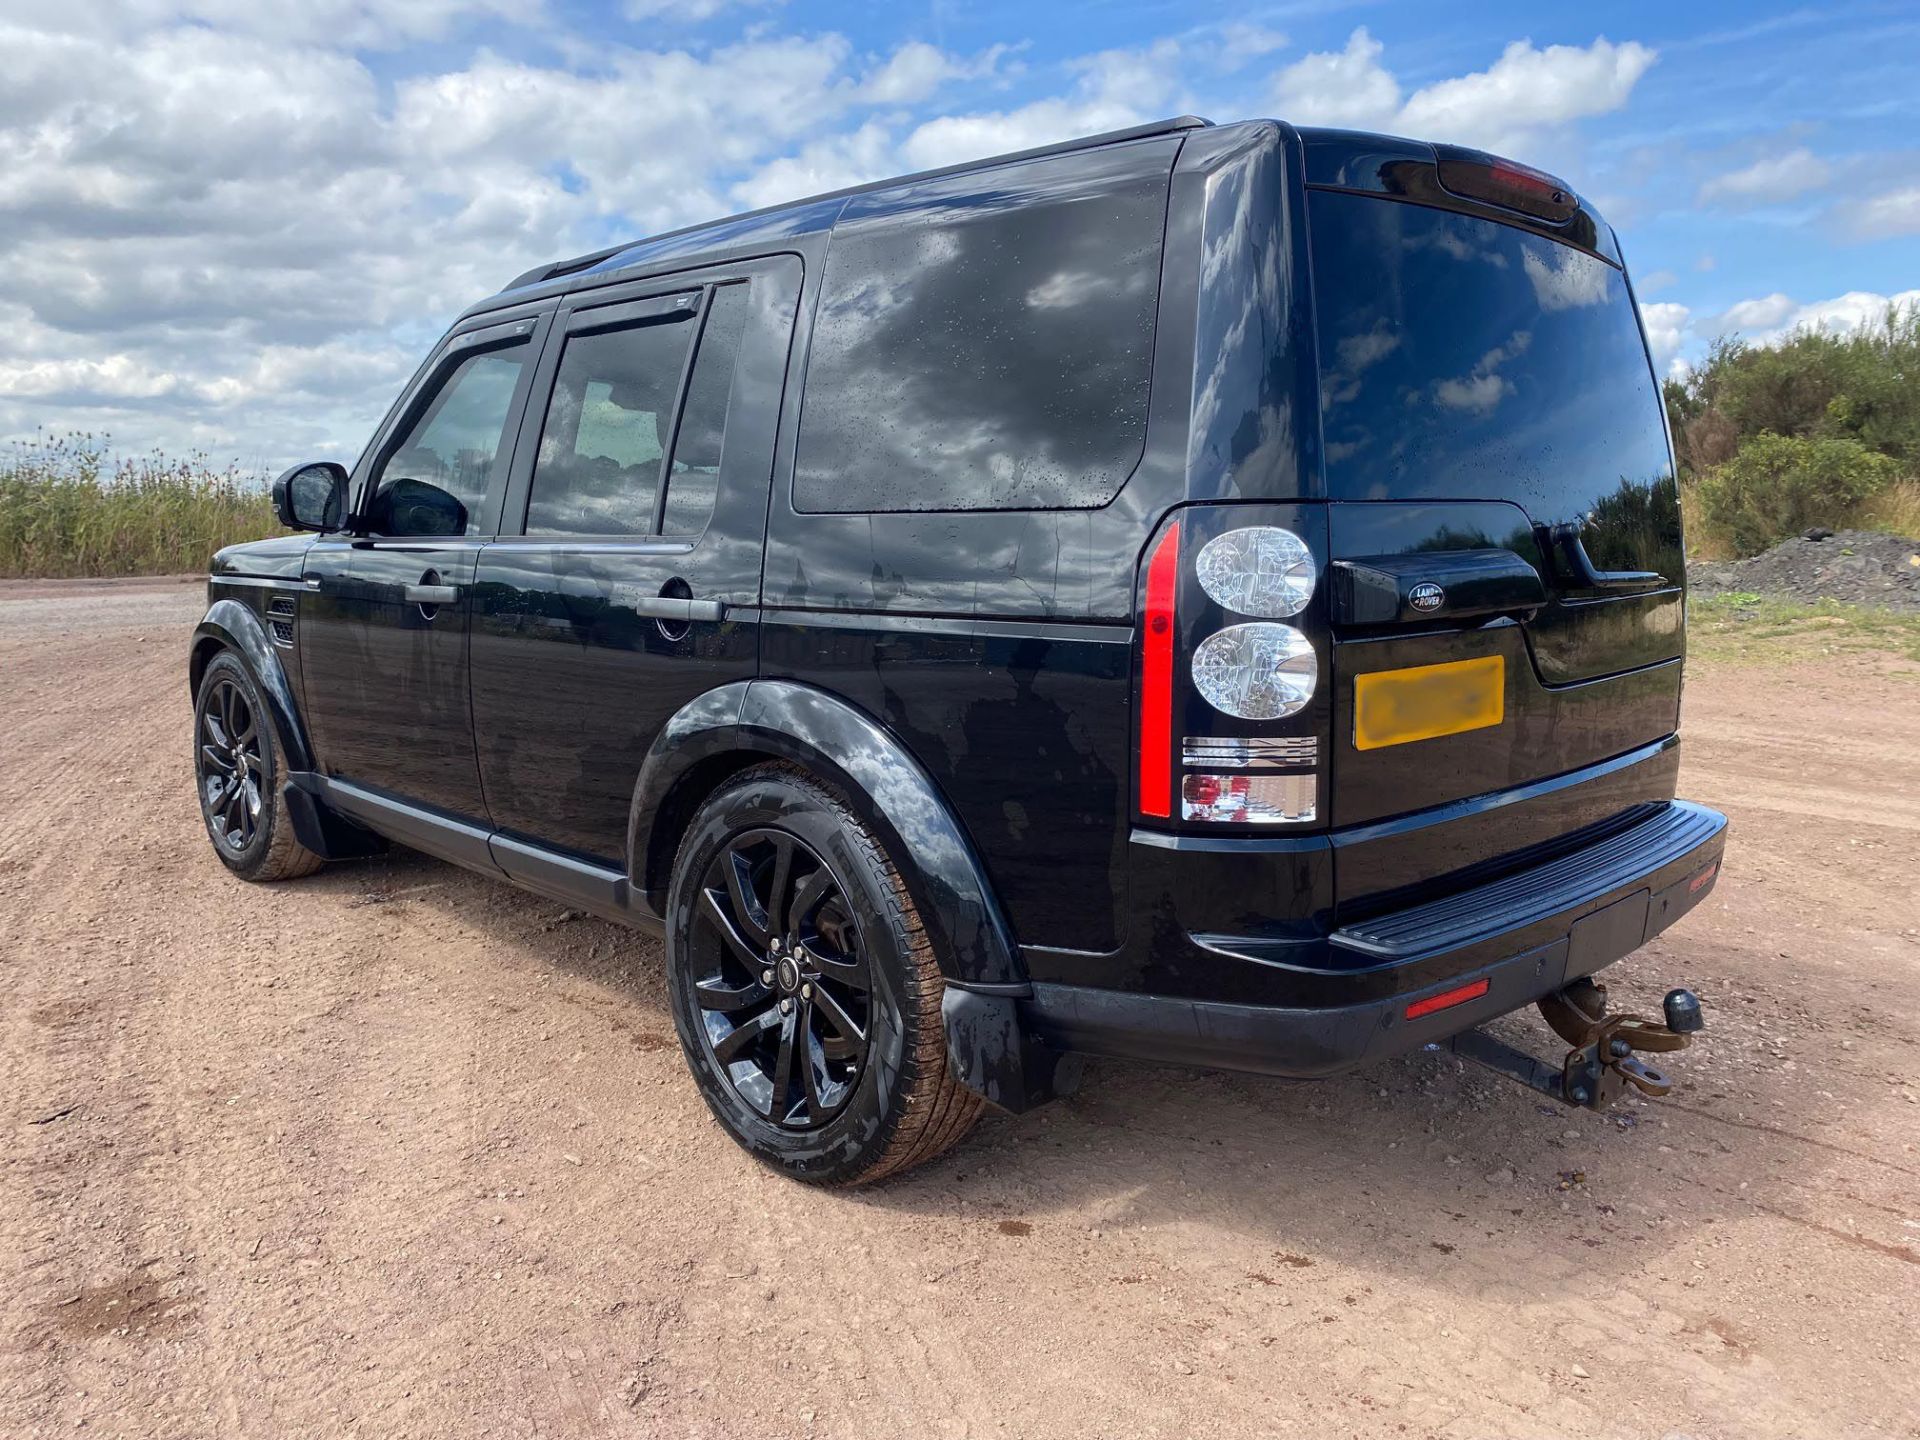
(399, 1151)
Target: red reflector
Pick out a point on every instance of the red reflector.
(1156, 678)
(1703, 877)
(1459, 995)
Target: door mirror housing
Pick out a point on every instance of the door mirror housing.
(311, 496)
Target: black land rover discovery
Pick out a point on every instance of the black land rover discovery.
(1208, 594)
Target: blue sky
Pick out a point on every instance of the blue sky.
(235, 225)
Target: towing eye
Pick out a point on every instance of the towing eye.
(1601, 1063)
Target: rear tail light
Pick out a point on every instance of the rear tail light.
(1257, 670)
(1258, 570)
(1156, 677)
(1249, 799)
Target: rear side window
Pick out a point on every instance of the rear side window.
(695, 474)
(985, 342)
(606, 429)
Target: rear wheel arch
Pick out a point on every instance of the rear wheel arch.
(839, 746)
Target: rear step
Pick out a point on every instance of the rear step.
(1500, 906)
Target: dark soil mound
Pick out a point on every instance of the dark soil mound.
(1857, 567)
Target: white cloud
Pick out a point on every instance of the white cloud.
(690, 11)
(1768, 181)
(1880, 217)
(1242, 42)
(1666, 324)
(1773, 318)
(1504, 107)
(1528, 90)
(1114, 89)
(822, 165)
(1347, 87)
(222, 225)
(917, 69)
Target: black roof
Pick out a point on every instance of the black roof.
(540, 274)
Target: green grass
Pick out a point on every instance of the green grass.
(66, 509)
(1758, 630)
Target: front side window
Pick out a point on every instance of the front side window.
(436, 480)
(607, 428)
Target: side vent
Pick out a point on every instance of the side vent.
(281, 610)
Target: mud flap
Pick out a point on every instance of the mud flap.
(990, 1052)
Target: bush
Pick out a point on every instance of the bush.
(1778, 485)
(1863, 385)
(67, 510)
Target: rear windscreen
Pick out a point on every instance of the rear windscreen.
(1464, 359)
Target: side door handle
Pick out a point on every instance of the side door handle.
(433, 594)
(678, 608)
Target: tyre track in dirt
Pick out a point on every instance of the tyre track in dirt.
(399, 1150)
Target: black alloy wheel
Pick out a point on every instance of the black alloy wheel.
(781, 979)
(238, 776)
(231, 764)
(805, 987)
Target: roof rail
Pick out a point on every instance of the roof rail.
(540, 274)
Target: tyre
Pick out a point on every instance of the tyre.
(238, 773)
(804, 987)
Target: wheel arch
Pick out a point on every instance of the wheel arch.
(755, 721)
(229, 625)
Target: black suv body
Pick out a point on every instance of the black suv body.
(1210, 594)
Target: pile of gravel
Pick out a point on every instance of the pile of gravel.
(1856, 567)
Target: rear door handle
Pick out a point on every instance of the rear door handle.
(1588, 577)
(676, 607)
(433, 594)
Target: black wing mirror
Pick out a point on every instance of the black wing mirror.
(311, 497)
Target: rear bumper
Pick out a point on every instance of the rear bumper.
(1526, 935)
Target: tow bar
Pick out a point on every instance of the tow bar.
(1601, 1063)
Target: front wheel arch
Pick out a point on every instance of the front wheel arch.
(229, 625)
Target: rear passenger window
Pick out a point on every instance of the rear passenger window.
(985, 342)
(606, 430)
(695, 472)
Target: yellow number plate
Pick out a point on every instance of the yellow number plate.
(1393, 707)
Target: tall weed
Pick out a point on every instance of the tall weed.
(67, 508)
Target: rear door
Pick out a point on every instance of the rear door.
(1497, 462)
(383, 627)
(626, 581)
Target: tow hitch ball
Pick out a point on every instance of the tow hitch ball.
(1601, 1063)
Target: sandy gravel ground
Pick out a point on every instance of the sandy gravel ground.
(398, 1151)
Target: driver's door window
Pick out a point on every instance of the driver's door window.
(434, 482)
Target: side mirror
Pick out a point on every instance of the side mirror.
(311, 497)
